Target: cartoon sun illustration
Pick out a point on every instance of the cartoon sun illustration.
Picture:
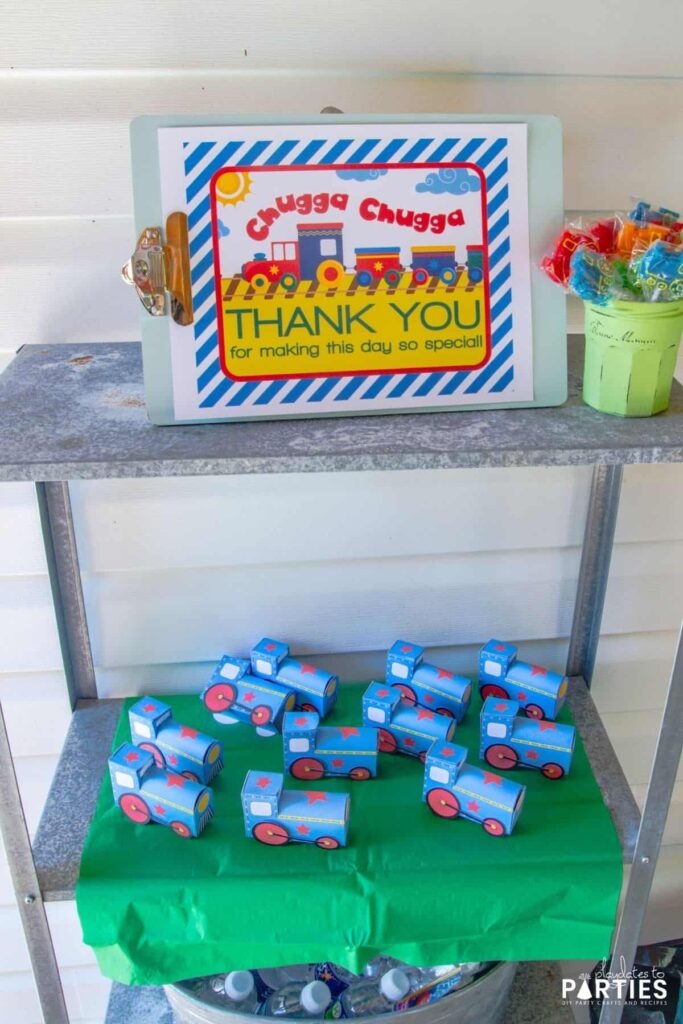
(232, 187)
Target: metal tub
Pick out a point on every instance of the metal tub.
(482, 1002)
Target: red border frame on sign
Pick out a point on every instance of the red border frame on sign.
(346, 167)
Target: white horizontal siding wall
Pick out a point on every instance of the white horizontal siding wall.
(177, 570)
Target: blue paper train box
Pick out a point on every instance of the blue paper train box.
(147, 793)
(315, 689)
(425, 685)
(313, 751)
(509, 740)
(403, 729)
(455, 789)
(540, 692)
(277, 816)
(233, 695)
(180, 748)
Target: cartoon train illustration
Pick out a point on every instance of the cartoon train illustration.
(277, 816)
(314, 689)
(455, 789)
(540, 692)
(509, 740)
(424, 685)
(318, 255)
(233, 695)
(403, 729)
(430, 261)
(313, 751)
(378, 264)
(147, 793)
(174, 746)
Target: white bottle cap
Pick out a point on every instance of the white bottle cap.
(315, 997)
(239, 985)
(394, 984)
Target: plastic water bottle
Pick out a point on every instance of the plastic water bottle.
(379, 965)
(375, 995)
(274, 978)
(294, 1001)
(240, 992)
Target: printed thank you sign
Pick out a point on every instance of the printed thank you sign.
(351, 267)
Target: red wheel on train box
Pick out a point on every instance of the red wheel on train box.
(533, 711)
(271, 833)
(408, 696)
(220, 697)
(261, 715)
(191, 776)
(307, 768)
(155, 752)
(492, 690)
(327, 843)
(387, 742)
(552, 770)
(445, 712)
(181, 829)
(420, 276)
(135, 808)
(493, 827)
(443, 802)
(499, 755)
(308, 707)
(359, 774)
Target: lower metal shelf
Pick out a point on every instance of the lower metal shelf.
(70, 804)
(536, 998)
(71, 801)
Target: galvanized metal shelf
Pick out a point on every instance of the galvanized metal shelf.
(71, 801)
(535, 999)
(70, 804)
(92, 423)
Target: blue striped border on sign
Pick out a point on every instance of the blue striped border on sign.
(203, 159)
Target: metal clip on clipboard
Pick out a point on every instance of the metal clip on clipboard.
(157, 270)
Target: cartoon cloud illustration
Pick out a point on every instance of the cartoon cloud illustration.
(360, 174)
(452, 180)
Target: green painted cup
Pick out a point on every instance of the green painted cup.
(631, 350)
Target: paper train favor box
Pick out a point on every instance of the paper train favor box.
(455, 789)
(425, 685)
(403, 728)
(338, 265)
(146, 793)
(277, 816)
(174, 746)
(540, 692)
(314, 751)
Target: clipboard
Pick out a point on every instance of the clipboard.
(344, 265)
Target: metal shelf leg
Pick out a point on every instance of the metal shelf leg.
(657, 801)
(59, 538)
(596, 555)
(67, 593)
(25, 880)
